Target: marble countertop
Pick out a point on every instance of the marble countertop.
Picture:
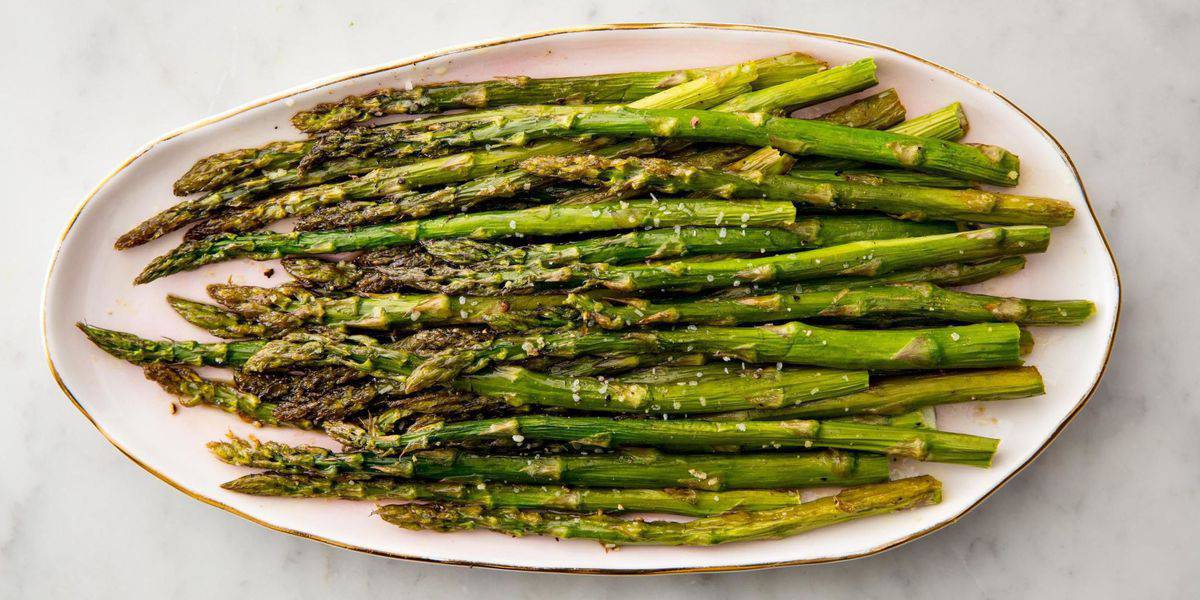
(1103, 513)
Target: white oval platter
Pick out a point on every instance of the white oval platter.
(90, 281)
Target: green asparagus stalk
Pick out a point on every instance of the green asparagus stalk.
(891, 177)
(699, 390)
(633, 468)
(989, 164)
(687, 502)
(950, 274)
(140, 351)
(847, 505)
(194, 390)
(216, 320)
(899, 395)
(543, 220)
(947, 123)
(322, 275)
(818, 87)
(878, 111)
(212, 172)
(284, 309)
(325, 276)
(865, 258)
(901, 300)
(906, 201)
(617, 87)
(689, 435)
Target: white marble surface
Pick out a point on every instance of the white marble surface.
(1104, 512)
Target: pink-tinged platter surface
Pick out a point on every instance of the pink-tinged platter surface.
(91, 282)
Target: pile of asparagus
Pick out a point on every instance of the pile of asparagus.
(578, 297)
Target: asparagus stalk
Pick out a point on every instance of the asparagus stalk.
(901, 300)
(544, 220)
(878, 111)
(216, 320)
(847, 505)
(689, 435)
(193, 390)
(697, 390)
(325, 276)
(818, 87)
(947, 123)
(283, 309)
(617, 87)
(899, 395)
(906, 201)
(687, 502)
(322, 275)
(889, 177)
(950, 274)
(989, 164)
(633, 468)
(864, 258)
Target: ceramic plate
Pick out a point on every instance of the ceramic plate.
(90, 281)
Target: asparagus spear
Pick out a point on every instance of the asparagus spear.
(698, 389)
(216, 320)
(902, 300)
(818, 87)
(617, 87)
(864, 258)
(989, 164)
(898, 395)
(193, 390)
(283, 309)
(950, 274)
(878, 111)
(544, 220)
(687, 502)
(322, 275)
(947, 123)
(632, 468)
(847, 505)
(906, 201)
(326, 276)
(890, 177)
(689, 435)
